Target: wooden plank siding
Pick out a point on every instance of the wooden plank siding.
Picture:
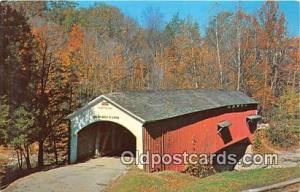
(196, 133)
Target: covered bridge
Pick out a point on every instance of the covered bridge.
(169, 121)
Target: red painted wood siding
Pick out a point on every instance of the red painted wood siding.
(195, 133)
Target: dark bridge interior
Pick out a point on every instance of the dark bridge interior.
(104, 139)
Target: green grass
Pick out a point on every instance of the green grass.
(136, 180)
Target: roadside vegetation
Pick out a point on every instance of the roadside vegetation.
(137, 180)
(283, 129)
(55, 57)
(285, 123)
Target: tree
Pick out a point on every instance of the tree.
(4, 120)
(266, 77)
(292, 69)
(16, 130)
(63, 13)
(104, 67)
(20, 134)
(172, 29)
(240, 47)
(153, 20)
(218, 31)
(29, 9)
(51, 91)
(184, 63)
(106, 21)
(285, 129)
(71, 58)
(288, 104)
(272, 42)
(137, 57)
(16, 58)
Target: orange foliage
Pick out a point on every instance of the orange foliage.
(73, 45)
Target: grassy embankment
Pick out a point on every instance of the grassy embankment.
(137, 180)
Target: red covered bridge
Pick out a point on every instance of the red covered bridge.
(170, 121)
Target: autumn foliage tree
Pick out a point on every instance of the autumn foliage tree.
(51, 91)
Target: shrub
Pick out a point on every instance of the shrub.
(200, 170)
(283, 136)
(257, 140)
(3, 162)
(284, 130)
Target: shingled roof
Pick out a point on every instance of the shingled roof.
(156, 105)
(163, 104)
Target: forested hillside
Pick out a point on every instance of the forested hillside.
(55, 57)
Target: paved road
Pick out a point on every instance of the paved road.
(93, 175)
